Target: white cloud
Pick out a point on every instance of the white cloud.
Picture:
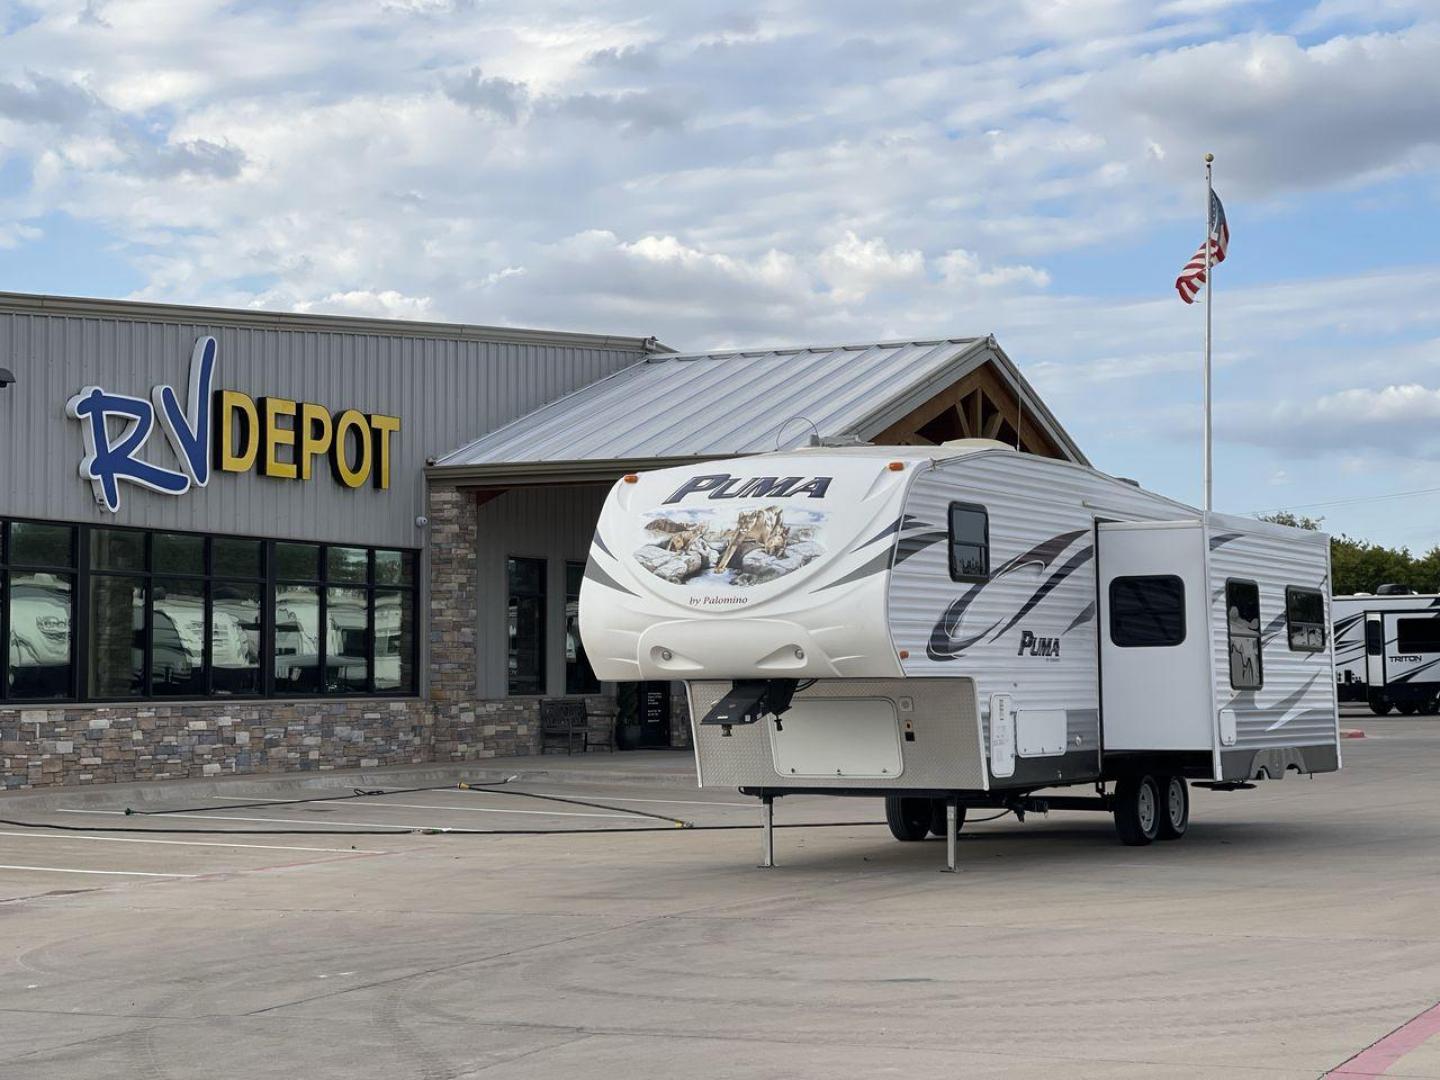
(853, 268)
(1279, 115)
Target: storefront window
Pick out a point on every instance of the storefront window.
(346, 564)
(579, 678)
(41, 545)
(235, 637)
(394, 639)
(37, 610)
(40, 613)
(297, 639)
(236, 558)
(347, 642)
(297, 562)
(178, 553)
(526, 625)
(395, 568)
(181, 615)
(117, 549)
(177, 638)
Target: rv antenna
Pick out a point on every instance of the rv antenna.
(781, 430)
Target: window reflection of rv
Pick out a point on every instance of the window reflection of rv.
(178, 643)
(389, 640)
(39, 635)
(297, 639)
(235, 642)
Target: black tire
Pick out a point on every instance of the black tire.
(909, 819)
(1174, 807)
(1380, 708)
(1409, 708)
(937, 817)
(1137, 809)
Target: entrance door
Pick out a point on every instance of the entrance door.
(1374, 651)
(1155, 691)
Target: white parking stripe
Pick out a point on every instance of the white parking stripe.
(193, 843)
(664, 802)
(321, 823)
(489, 810)
(567, 794)
(110, 873)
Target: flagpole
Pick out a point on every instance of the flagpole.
(1209, 290)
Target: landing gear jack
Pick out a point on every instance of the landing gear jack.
(952, 832)
(767, 832)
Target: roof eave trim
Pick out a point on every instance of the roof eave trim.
(77, 306)
(519, 473)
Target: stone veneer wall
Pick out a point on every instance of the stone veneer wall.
(47, 746)
(43, 746)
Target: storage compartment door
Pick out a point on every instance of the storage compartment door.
(1155, 691)
(838, 737)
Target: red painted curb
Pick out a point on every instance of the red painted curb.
(1351, 733)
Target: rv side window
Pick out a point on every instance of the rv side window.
(1418, 635)
(1147, 611)
(1305, 619)
(969, 542)
(1242, 610)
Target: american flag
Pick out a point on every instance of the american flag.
(1192, 278)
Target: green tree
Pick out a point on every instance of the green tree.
(1362, 566)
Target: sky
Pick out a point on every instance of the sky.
(789, 173)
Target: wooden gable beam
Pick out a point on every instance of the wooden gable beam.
(965, 398)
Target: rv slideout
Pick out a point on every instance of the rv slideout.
(963, 626)
(1372, 666)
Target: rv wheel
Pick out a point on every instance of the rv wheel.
(909, 819)
(1175, 807)
(1408, 709)
(1137, 809)
(1380, 708)
(937, 817)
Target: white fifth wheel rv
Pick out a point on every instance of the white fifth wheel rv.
(1353, 659)
(962, 626)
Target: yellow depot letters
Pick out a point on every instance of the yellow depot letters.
(282, 438)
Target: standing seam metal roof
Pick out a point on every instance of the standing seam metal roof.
(739, 402)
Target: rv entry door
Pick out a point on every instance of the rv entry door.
(1154, 644)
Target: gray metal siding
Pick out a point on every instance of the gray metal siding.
(444, 391)
(1029, 500)
(551, 523)
(1296, 705)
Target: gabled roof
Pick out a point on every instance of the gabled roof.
(670, 409)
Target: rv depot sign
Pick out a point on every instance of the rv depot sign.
(223, 430)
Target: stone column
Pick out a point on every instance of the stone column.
(453, 617)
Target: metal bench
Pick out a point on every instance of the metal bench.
(563, 722)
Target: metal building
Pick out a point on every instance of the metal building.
(238, 541)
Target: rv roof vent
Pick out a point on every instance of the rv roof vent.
(976, 444)
(1392, 589)
(1127, 480)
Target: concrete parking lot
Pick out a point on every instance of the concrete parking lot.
(1294, 927)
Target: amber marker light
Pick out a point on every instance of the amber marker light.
(896, 466)
(630, 478)
(904, 654)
